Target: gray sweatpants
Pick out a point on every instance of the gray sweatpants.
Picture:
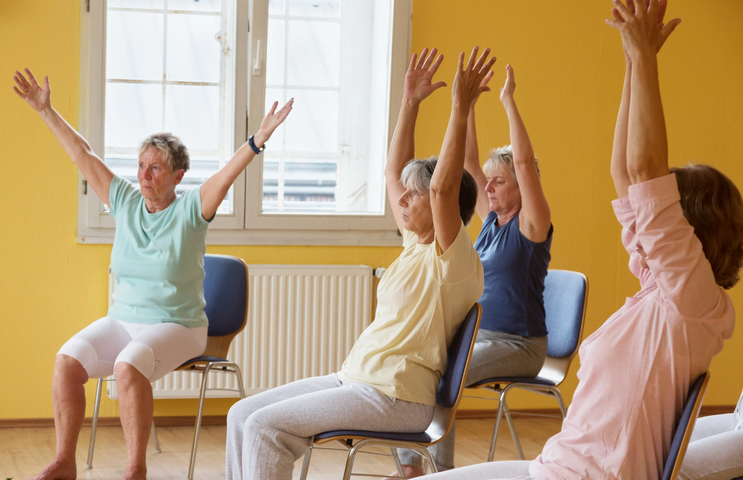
(715, 451)
(496, 354)
(513, 470)
(268, 432)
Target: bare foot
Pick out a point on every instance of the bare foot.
(410, 471)
(135, 473)
(58, 470)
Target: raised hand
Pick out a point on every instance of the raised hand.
(273, 119)
(641, 24)
(469, 79)
(508, 88)
(483, 86)
(420, 74)
(29, 89)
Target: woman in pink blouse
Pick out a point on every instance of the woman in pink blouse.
(683, 229)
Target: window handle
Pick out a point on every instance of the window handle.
(257, 61)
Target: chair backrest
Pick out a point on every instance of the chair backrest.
(451, 383)
(684, 428)
(565, 295)
(226, 294)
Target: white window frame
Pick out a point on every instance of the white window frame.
(247, 225)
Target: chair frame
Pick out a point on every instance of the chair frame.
(679, 460)
(216, 346)
(441, 424)
(555, 369)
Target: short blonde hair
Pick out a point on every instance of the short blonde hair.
(712, 205)
(503, 158)
(174, 152)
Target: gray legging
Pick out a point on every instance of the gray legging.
(496, 354)
(715, 451)
(267, 432)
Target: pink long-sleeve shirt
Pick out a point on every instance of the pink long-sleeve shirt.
(637, 368)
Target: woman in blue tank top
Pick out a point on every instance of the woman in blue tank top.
(514, 248)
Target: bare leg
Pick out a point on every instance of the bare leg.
(135, 400)
(68, 400)
(410, 471)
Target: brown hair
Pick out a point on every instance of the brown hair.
(713, 206)
(174, 152)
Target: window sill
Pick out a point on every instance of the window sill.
(274, 237)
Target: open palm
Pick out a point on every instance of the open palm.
(29, 89)
(275, 118)
(418, 79)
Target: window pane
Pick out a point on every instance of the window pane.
(214, 6)
(155, 4)
(134, 45)
(192, 113)
(132, 113)
(313, 50)
(275, 52)
(315, 8)
(193, 52)
(313, 123)
(276, 7)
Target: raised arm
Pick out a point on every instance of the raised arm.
(418, 87)
(472, 156)
(534, 218)
(95, 172)
(447, 177)
(619, 151)
(214, 190)
(643, 34)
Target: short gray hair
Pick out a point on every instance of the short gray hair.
(418, 173)
(174, 152)
(503, 158)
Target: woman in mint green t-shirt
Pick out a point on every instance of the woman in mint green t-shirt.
(157, 321)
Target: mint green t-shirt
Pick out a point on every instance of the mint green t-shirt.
(157, 258)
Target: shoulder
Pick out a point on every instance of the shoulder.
(121, 192)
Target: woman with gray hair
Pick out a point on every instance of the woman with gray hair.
(388, 382)
(514, 247)
(157, 321)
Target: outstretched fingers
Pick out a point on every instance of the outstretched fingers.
(669, 28)
(422, 59)
(31, 77)
(622, 10)
(436, 65)
(429, 60)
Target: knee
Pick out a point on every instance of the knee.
(127, 374)
(239, 414)
(69, 369)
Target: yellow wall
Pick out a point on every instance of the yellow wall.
(569, 73)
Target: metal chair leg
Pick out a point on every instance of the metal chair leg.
(306, 463)
(496, 429)
(94, 429)
(398, 464)
(156, 440)
(511, 427)
(426, 453)
(197, 427)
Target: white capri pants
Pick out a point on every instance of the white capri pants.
(154, 350)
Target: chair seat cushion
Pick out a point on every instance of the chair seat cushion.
(422, 437)
(529, 381)
(205, 359)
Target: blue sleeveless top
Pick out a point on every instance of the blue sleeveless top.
(515, 269)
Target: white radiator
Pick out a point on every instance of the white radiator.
(302, 322)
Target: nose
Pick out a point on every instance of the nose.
(489, 186)
(403, 200)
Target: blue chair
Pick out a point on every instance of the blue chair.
(448, 395)
(226, 294)
(565, 297)
(685, 427)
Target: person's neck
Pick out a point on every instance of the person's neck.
(507, 216)
(426, 238)
(155, 205)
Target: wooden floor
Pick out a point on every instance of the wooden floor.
(24, 451)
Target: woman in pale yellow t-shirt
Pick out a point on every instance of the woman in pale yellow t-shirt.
(388, 382)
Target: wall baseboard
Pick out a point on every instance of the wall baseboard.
(222, 419)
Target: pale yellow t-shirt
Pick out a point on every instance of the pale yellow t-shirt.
(422, 299)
